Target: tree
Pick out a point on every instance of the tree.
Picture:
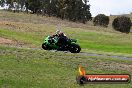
(77, 10)
(122, 24)
(34, 5)
(73, 10)
(101, 20)
(2, 3)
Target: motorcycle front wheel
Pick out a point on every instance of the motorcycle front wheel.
(45, 47)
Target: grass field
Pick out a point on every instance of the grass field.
(29, 68)
(24, 68)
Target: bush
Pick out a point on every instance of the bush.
(101, 20)
(122, 24)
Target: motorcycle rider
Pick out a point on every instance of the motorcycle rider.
(62, 39)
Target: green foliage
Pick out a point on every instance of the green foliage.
(101, 20)
(2, 2)
(34, 5)
(122, 24)
(73, 10)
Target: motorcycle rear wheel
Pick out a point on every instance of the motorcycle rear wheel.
(74, 48)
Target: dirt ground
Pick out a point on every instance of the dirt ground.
(15, 43)
(6, 41)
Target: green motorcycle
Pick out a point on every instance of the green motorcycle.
(52, 43)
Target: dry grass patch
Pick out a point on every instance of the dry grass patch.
(115, 66)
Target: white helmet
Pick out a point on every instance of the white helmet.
(58, 32)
